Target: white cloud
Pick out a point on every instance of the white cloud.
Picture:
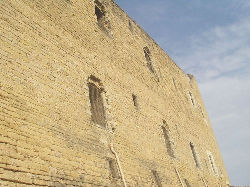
(218, 51)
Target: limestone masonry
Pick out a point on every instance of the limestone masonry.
(87, 98)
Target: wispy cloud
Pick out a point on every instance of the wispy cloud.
(220, 51)
(227, 100)
(220, 60)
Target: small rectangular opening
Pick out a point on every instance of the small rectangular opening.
(135, 101)
(113, 168)
(156, 178)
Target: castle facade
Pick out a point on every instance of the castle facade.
(87, 98)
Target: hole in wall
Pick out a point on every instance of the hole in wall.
(99, 14)
(135, 101)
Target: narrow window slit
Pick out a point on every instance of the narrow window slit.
(102, 19)
(99, 14)
(168, 142)
(174, 82)
(96, 101)
(148, 57)
(113, 169)
(192, 99)
(135, 101)
(212, 163)
(130, 26)
(156, 178)
(195, 156)
(187, 183)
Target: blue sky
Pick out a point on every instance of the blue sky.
(211, 40)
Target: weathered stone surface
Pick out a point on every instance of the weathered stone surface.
(48, 52)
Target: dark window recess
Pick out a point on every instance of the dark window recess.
(196, 160)
(156, 178)
(97, 107)
(102, 19)
(187, 183)
(113, 169)
(135, 101)
(168, 142)
(191, 97)
(99, 15)
(150, 62)
(148, 58)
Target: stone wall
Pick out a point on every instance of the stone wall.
(149, 111)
